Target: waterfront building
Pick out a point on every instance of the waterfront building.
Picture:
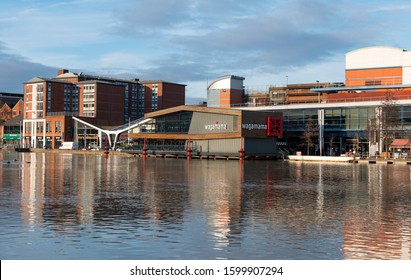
(225, 92)
(349, 116)
(209, 132)
(11, 132)
(9, 118)
(49, 105)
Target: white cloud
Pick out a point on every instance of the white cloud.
(192, 41)
(15, 70)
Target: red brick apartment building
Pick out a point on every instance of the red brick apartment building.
(162, 95)
(49, 104)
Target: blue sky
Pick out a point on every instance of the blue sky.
(194, 42)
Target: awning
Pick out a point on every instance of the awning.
(401, 143)
(11, 137)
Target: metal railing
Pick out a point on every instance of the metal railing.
(322, 101)
(67, 114)
(159, 148)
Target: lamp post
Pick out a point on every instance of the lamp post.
(318, 86)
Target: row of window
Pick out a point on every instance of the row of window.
(88, 106)
(89, 88)
(39, 127)
(344, 119)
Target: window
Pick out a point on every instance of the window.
(39, 127)
(48, 127)
(373, 83)
(27, 127)
(58, 126)
(174, 123)
(40, 88)
(89, 88)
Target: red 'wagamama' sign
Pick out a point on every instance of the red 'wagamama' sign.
(275, 126)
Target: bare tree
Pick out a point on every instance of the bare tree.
(389, 119)
(310, 132)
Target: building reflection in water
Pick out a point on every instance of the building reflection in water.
(32, 188)
(216, 191)
(378, 221)
(327, 211)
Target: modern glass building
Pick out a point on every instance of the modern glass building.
(367, 113)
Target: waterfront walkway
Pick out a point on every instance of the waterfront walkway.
(348, 159)
(317, 159)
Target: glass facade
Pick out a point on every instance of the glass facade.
(173, 123)
(348, 118)
(343, 128)
(405, 115)
(294, 120)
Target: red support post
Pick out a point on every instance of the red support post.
(106, 148)
(241, 151)
(188, 150)
(145, 148)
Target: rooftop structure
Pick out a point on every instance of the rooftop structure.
(225, 92)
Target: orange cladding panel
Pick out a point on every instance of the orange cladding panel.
(380, 76)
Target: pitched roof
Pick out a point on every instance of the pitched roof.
(14, 121)
(401, 143)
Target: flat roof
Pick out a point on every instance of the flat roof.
(224, 111)
(10, 94)
(94, 77)
(159, 82)
(360, 88)
(99, 82)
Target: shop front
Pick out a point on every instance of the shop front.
(11, 140)
(208, 132)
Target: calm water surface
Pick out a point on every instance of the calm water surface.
(64, 206)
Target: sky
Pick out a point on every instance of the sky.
(268, 42)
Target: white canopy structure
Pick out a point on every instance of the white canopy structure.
(114, 131)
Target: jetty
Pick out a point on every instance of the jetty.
(321, 158)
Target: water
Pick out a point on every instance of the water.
(75, 206)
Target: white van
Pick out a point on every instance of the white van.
(68, 146)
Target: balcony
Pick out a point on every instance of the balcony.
(67, 114)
